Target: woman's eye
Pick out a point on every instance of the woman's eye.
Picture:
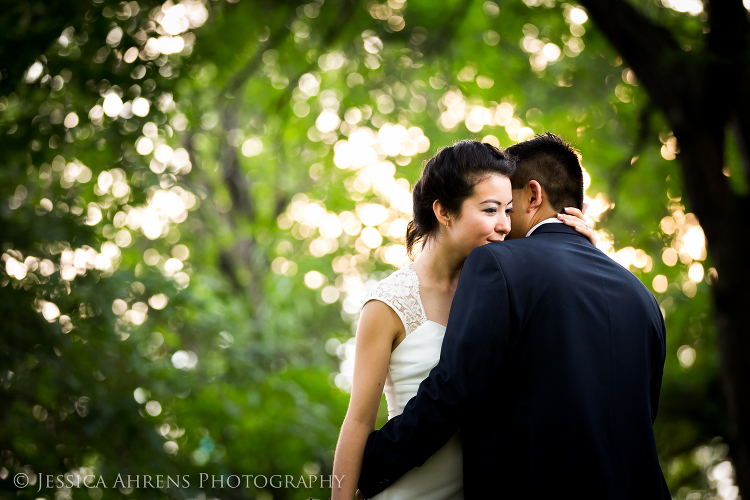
(491, 210)
(509, 211)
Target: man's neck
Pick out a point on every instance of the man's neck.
(542, 214)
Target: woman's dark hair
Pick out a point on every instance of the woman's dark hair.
(450, 176)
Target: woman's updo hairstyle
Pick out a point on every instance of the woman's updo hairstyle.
(450, 176)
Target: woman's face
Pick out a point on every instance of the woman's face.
(485, 216)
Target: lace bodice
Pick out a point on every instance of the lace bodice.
(400, 291)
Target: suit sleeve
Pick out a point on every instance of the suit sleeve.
(659, 358)
(474, 347)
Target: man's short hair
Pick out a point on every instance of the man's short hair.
(554, 164)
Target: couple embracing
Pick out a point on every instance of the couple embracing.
(535, 375)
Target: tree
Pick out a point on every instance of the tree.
(702, 91)
(196, 197)
(130, 345)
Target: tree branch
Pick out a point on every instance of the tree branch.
(641, 142)
(442, 39)
(240, 77)
(343, 17)
(729, 28)
(729, 41)
(650, 51)
(690, 94)
(234, 178)
(741, 126)
(28, 29)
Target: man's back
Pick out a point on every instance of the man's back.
(572, 406)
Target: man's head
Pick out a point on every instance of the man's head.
(548, 178)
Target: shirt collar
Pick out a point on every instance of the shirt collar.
(545, 221)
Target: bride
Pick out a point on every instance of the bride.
(462, 200)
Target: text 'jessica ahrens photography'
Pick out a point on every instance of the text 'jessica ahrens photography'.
(234, 481)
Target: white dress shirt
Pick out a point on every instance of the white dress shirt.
(545, 221)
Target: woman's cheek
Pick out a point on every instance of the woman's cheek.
(484, 228)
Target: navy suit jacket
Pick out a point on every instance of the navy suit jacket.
(551, 367)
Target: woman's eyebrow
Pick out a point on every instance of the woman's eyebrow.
(496, 202)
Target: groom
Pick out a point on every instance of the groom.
(551, 363)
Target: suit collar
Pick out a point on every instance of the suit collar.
(550, 220)
(555, 228)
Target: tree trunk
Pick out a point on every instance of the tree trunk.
(724, 222)
(702, 94)
(731, 297)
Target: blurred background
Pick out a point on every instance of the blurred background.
(196, 196)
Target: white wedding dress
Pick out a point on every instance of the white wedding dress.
(441, 476)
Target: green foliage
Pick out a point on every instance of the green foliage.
(180, 334)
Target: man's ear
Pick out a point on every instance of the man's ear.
(537, 195)
(584, 207)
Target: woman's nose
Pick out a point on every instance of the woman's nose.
(503, 225)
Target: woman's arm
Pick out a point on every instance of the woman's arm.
(378, 327)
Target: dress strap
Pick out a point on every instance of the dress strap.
(400, 292)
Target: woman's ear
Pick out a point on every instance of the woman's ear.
(441, 214)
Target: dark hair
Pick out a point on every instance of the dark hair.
(554, 164)
(450, 176)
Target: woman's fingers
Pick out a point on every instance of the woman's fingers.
(579, 223)
(572, 220)
(575, 212)
(588, 233)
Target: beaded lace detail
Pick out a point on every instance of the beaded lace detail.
(400, 291)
